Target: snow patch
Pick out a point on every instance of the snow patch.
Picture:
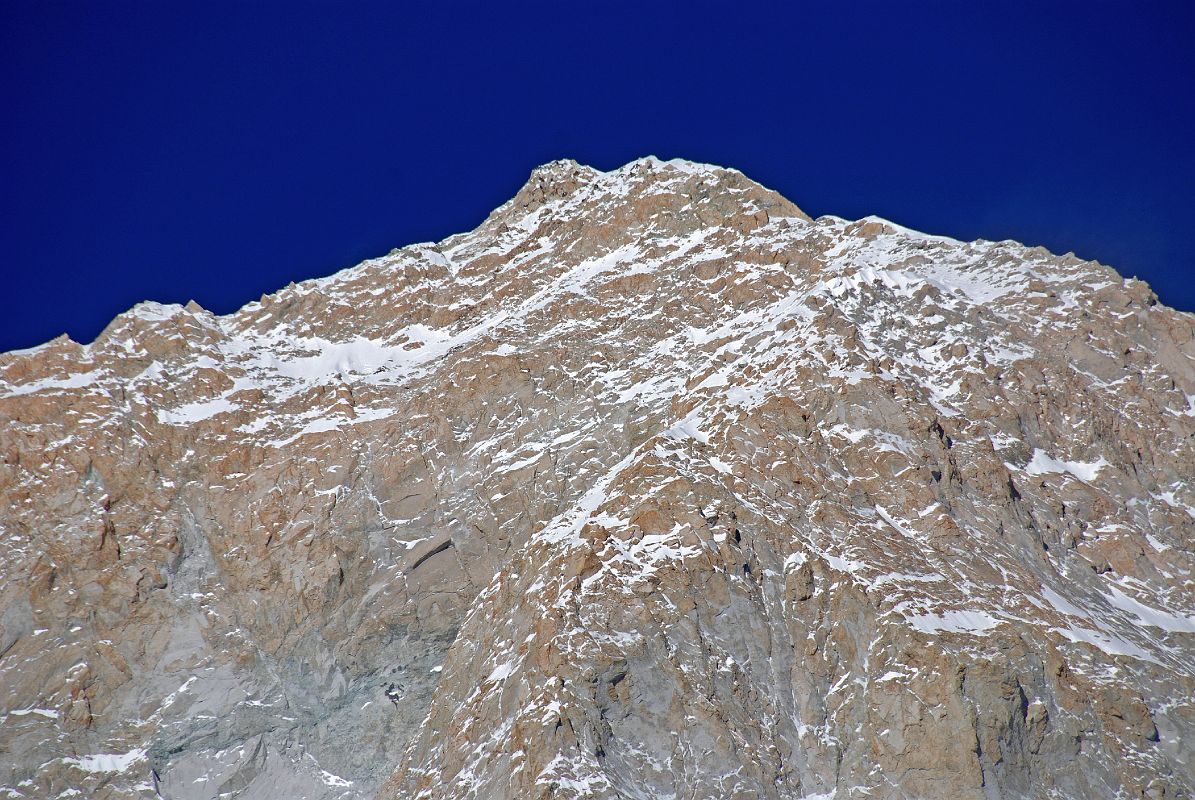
(954, 622)
(76, 381)
(1042, 464)
(195, 412)
(1156, 618)
(107, 762)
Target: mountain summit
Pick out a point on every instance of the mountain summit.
(649, 487)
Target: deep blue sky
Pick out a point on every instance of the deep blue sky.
(215, 151)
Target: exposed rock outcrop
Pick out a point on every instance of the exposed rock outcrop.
(649, 487)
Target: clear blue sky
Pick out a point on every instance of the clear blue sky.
(215, 151)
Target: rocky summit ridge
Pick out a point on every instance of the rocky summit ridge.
(649, 487)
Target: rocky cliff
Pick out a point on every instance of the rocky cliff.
(649, 487)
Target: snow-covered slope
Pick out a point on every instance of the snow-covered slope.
(649, 487)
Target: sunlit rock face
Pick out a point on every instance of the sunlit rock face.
(649, 487)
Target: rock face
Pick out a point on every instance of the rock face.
(649, 487)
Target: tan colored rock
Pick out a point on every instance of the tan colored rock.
(651, 486)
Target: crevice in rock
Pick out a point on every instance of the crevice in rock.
(440, 549)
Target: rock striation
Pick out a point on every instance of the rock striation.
(649, 487)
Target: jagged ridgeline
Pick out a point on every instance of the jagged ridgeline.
(649, 487)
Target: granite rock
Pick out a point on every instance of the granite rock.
(651, 486)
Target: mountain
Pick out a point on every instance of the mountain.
(649, 487)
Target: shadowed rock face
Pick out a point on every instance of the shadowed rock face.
(649, 487)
